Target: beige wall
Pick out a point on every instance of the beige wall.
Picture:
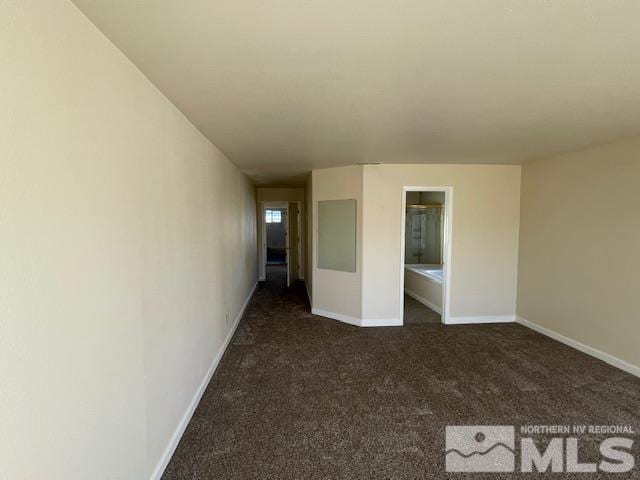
(484, 266)
(278, 195)
(580, 247)
(125, 240)
(335, 292)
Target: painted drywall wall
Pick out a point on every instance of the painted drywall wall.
(267, 194)
(486, 200)
(126, 238)
(334, 292)
(579, 255)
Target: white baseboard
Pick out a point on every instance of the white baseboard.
(381, 322)
(424, 301)
(337, 316)
(599, 354)
(186, 418)
(480, 319)
(358, 322)
(262, 279)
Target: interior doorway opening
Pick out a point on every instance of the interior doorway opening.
(281, 242)
(425, 255)
(275, 221)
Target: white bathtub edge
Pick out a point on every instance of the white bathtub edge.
(424, 301)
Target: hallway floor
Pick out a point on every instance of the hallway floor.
(298, 396)
(416, 313)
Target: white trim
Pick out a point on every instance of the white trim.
(381, 322)
(337, 316)
(358, 322)
(599, 354)
(424, 301)
(186, 418)
(447, 254)
(481, 319)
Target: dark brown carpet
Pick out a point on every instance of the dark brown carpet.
(298, 396)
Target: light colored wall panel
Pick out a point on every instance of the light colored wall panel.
(486, 201)
(333, 291)
(126, 239)
(579, 247)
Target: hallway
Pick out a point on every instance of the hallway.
(298, 396)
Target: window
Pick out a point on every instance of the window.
(273, 216)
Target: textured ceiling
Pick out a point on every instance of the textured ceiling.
(284, 86)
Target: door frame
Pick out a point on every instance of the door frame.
(300, 238)
(446, 254)
(280, 205)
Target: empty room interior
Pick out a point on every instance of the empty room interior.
(319, 240)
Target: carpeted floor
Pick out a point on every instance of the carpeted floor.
(415, 313)
(298, 396)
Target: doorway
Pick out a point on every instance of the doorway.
(281, 249)
(275, 221)
(425, 256)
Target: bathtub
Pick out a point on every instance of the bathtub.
(432, 272)
(424, 283)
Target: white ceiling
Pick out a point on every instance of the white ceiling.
(284, 86)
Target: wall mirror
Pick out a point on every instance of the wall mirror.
(337, 235)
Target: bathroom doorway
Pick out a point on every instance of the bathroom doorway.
(425, 255)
